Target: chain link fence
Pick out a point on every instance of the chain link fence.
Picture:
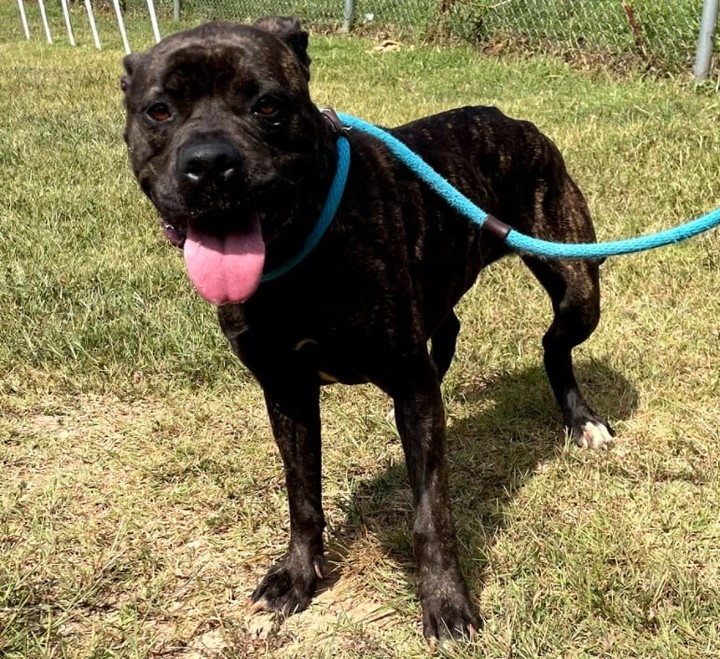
(663, 33)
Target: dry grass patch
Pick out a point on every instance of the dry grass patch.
(141, 528)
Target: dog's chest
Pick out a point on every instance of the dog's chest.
(330, 351)
(331, 362)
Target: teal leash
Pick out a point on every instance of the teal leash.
(327, 214)
(457, 200)
(515, 239)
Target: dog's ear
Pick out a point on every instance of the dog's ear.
(130, 63)
(289, 30)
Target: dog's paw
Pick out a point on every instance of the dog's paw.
(448, 614)
(593, 434)
(448, 619)
(288, 587)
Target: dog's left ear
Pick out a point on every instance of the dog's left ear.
(130, 62)
(289, 30)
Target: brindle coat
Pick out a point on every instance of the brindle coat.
(382, 282)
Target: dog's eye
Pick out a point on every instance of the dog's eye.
(268, 108)
(159, 112)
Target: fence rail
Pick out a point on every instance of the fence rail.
(662, 33)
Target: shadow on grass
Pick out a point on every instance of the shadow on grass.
(501, 430)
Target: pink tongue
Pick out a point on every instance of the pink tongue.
(225, 269)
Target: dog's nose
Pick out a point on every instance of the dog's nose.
(207, 163)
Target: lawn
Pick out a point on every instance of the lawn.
(142, 496)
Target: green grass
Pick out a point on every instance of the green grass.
(142, 497)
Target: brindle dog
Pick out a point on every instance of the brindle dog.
(225, 140)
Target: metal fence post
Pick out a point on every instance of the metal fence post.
(705, 40)
(348, 13)
(23, 18)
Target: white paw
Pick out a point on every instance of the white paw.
(594, 435)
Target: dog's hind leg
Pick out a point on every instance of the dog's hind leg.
(443, 344)
(574, 289)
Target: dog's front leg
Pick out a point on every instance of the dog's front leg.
(294, 412)
(447, 611)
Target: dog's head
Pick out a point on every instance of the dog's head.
(222, 137)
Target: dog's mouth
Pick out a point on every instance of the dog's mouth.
(224, 254)
(175, 233)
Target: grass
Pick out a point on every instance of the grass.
(142, 496)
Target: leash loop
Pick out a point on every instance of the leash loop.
(326, 215)
(343, 123)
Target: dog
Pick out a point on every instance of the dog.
(225, 140)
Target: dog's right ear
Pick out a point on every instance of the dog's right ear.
(289, 30)
(130, 63)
